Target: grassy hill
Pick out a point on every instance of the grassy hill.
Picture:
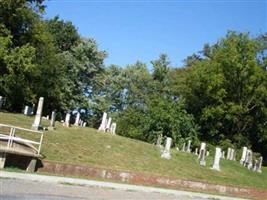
(87, 146)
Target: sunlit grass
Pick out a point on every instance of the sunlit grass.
(86, 146)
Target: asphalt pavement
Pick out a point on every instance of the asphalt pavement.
(24, 186)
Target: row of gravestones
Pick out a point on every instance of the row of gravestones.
(246, 159)
(37, 124)
(106, 125)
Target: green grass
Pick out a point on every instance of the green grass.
(86, 146)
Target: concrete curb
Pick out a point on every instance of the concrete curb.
(83, 182)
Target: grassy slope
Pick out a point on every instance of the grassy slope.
(86, 146)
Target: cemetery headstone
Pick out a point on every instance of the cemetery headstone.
(52, 121)
(202, 154)
(243, 156)
(113, 128)
(248, 162)
(159, 140)
(38, 117)
(202, 146)
(216, 162)
(183, 148)
(67, 120)
(259, 164)
(77, 119)
(1, 101)
(223, 154)
(27, 111)
(102, 126)
(84, 124)
(188, 146)
(207, 153)
(196, 151)
(107, 129)
(166, 153)
(228, 153)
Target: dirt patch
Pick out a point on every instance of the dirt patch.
(149, 179)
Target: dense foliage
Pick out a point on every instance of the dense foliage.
(219, 95)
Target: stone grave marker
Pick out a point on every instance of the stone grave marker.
(183, 148)
(216, 162)
(202, 154)
(52, 121)
(166, 153)
(38, 117)
(67, 120)
(188, 146)
(107, 129)
(196, 151)
(243, 156)
(77, 119)
(113, 128)
(102, 126)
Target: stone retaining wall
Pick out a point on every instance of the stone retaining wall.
(148, 179)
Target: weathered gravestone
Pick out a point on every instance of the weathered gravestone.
(102, 126)
(27, 110)
(113, 128)
(243, 156)
(67, 120)
(108, 126)
(52, 121)
(196, 151)
(248, 161)
(188, 146)
(166, 153)
(84, 124)
(1, 101)
(38, 117)
(183, 148)
(223, 155)
(216, 162)
(202, 154)
(258, 164)
(159, 140)
(77, 119)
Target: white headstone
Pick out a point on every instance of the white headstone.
(202, 147)
(202, 153)
(52, 121)
(159, 140)
(188, 146)
(183, 148)
(207, 153)
(1, 101)
(67, 120)
(228, 153)
(84, 124)
(259, 164)
(216, 162)
(113, 128)
(248, 161)
(223, 154)
(27, 110)
(243, 157)
(196, 151)
(102, 126)
(77, 119)
(107, 129)
(166, 153)
(38, 117)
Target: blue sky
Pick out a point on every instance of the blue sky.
(142, 29)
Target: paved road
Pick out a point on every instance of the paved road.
(12, 189)
(19, 186)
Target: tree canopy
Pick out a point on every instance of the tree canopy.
(218, 96)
